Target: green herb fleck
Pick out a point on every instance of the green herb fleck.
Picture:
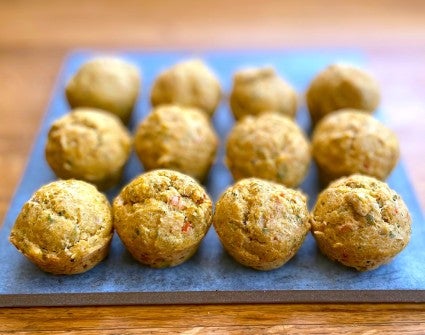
(50, 219)
(265, 230)
(391, 234)
(395, 197)
(369, 218)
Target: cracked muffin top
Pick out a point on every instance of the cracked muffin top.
(261, 224)
(360, 222)
(65, 227)
(161, 217)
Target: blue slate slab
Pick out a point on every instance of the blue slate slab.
(211, 276)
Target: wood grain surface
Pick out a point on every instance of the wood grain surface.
(35, 36)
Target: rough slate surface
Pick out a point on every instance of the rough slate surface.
(211, 276)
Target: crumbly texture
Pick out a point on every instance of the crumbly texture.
(162, 217)
(350, 141)
(177, 138)
(65, 228)
(259, 90)
(110, 84)
(360, 222)
(189, 83)
(261, 224)
(90, 145)
(269, 146)
(342, 86)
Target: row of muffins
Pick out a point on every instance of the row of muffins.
(268, 146)
(162, 216)
(177, 133)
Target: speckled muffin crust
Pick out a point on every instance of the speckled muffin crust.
(342, 86)
(65, 228)
(350, 141)
(107, 83)
(261, 224)
(360, 222)
(269, 146)
(259, 90)
(177, 138)
(189, 83)
(162, 217)
(90, 145)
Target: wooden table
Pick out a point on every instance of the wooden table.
(34, 38)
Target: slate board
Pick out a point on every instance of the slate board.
(211, 276)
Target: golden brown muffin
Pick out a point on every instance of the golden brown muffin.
(341, 86)
(259, 90)
(90, 145)
(65, 228)
(269, 146)
(177, 138)
(190, 84)
(261, 224)
(106, 83)
(162, 217)
(350, 141)
(360, 222)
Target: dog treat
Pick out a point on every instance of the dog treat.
(65, 228)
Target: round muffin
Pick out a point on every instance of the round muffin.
(350, 141)
(177, 138)
(162, 217)
(106, 83)
(90, 145)
(259, 90)
(269, 146)
(65, 228)
(360, 222)
(261, 224)
(341, 86)
(189, 83)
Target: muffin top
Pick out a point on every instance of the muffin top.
(259, 90)
(342, 86)
(108, 83)
(262, 224)
(268, 146)
(189, 83)
(349, 141)
(162, 210)
(178, 138)
(361, 222)
(66, 218)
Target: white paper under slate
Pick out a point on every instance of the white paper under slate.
(211, 276)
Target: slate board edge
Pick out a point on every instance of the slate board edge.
(212, 297)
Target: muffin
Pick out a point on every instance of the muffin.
(90, 145)
(269, 146)
(259, 90)
(110, 84)
(65, 228)
(162, 217)
(341, 86)
(190, 84)
(350, 141)
(261, 224)
(360, 222)
(177, 138)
